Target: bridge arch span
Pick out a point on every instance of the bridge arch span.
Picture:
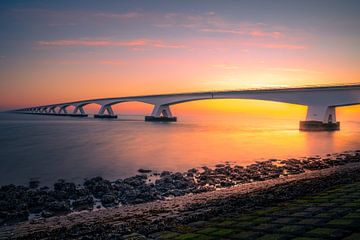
(321, 102)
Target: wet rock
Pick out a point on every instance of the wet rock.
(314, 164)
(141, 170)
(64, 189)
(135, 181)
(165, 173)
(108, 200)
(83, 203)
(193, 170)
(98, 186)
(14, 216)
(58, 206)
(34, 183)
(220, 165)
(47, 214)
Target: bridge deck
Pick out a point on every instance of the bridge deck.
(245, 90)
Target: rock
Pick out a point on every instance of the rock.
(34, 183)
(165, 173)
(83, 203)
(193, 170)
(98, 186)
(108, 200)
(67, 189)
(141, 170)
(47, 214)
(58, 206)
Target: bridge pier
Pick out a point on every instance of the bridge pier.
(63, 111)
(320, 118)
(103, 109)
(52, 110)
(78, 109)
(161, 113)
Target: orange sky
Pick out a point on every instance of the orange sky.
(51, 53)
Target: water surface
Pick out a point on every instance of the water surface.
(49, 147)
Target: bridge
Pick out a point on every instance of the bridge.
(320, 100)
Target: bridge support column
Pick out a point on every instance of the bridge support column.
(320, 118)
(63, 111)
(43, 111)
(103, 109)
(161, 113)
(52, 110)
(78, 109)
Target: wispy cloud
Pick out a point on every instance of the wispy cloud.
(248, 31)
(259, 33)
(212, 23)
(102, 43)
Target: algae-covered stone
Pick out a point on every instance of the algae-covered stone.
(292, 229)
(272, 237)
(354, 236)
(191, 236)
(324, 232)
(222, 232)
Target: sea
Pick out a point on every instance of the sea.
(49, 148)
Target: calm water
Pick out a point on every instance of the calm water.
(50, 148)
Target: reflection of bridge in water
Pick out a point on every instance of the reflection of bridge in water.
(321, 102)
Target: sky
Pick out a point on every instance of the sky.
(59, 51)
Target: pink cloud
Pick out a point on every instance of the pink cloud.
(100, 43)
(227, 44)
(213, 23)
(259, 33)
(219, 30)
(246, 31)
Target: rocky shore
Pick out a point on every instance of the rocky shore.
(159, 196)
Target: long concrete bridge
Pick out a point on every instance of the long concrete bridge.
(321, 101)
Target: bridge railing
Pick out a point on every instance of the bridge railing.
(308, 86)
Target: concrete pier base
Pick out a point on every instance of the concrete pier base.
(104, 116)
(319, 126)
(76, 115)
(160, 119)
(51, 114)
